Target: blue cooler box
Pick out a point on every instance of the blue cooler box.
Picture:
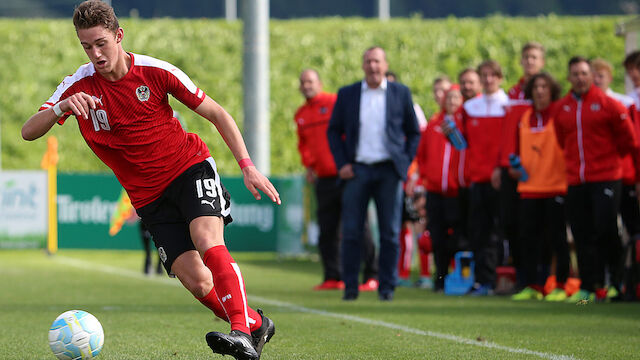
(461, 280)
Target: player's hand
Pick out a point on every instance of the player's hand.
(410, 186)
(346, 172)
(446, 129)
(254, 181)
(78, 103)
(495, 178)
(310, 176)
(515, 174)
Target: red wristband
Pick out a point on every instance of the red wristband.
(245, 162)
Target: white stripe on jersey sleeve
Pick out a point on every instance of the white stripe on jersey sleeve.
(144, 60)
(82, 72)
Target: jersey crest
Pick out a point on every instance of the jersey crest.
(143, 93)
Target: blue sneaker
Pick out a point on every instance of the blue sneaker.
(404, 283)
(482, 290)
(424, 283)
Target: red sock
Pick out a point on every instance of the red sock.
(229, 287)
(406, 248)
(424, 247)
(212, 303)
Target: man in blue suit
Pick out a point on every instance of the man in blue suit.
(373, 135)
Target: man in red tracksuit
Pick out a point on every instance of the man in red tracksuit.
(312, 119)
(482, 118)
(629, 206)
(595, 132)
(438, 166)
(532, 61)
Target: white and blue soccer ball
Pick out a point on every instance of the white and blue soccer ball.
(76, 335)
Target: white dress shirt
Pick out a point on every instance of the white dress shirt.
(373, 137)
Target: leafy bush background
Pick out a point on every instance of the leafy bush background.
(36, 54)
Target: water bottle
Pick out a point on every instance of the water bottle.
(514, 161)
(455, 136)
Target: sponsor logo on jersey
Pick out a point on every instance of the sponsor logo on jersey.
(162, 254)
(97, 99)
(226, 297)
(143, 93)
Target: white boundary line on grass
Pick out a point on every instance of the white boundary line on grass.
(86, 265)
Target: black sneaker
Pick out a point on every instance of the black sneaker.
(263, 334)
(236, 343)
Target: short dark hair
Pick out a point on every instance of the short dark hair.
(492, 65)
(466, 70)
(551, 82)
(92, 13)
(632, 60)
(392, 74)
(578, 59)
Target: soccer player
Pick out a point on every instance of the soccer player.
(120, 101)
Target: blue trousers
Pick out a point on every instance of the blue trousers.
(382, 183)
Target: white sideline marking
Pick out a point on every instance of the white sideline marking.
(86, 265)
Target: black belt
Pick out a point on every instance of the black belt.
(376, 164)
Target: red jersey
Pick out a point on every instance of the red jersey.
(312, 119)
(437, 159)
(594, 132)
(517, 91)
(133, 130)
(629, 161)
(482, 118)
(508, 141)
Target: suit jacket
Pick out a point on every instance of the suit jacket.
(403, 134)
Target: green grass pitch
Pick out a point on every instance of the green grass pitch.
(155, 318)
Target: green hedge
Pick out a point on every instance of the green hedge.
(37, 54)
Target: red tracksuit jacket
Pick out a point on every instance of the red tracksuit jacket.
(437, 158)
(482, 118)
(312, 119)
(595, 132)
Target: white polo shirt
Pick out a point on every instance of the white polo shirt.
(373, 137)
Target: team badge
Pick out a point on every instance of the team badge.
(323, 110)
(566, 108)
(595, 107)
(143, 93)
(162, 254)
(300, 121)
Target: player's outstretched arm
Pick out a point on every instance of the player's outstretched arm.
(228, 129)
(42, 121)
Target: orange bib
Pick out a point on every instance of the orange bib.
(542, 158)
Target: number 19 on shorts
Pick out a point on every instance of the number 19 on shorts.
(206, 187)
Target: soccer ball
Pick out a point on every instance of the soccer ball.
(75, 335)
